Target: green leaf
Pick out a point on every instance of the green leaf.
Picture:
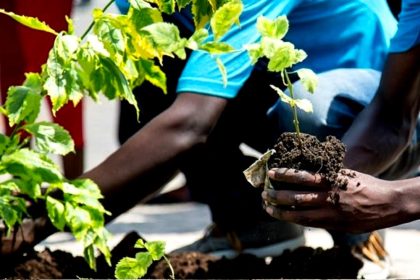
(8, 214)
(70, 23)
(197, 39)
(183, 3)
(255, 52)
(89, 254)
(140, 244)
(4, 142)
(308, 78)
(144, 17)
(23, 103)
(275, 29)
(166, 6)
(202, 11)
(222, 70)
(302, 104)
(82, 186)
(55, 210)
(144, 260)
(216, 47)
(153, 74)
(63, 81)
(31, 165)
(101, 242)
(114, 83)
(225, 17)
(78, 220)
(139, 4)
(31, 22)
(32, 189)
(127, 268)
(165, 37)
(51, 138)
(156, 249)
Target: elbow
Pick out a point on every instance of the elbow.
(189, 132)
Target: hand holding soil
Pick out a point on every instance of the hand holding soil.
(366, 204)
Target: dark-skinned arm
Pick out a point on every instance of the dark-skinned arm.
(149, 158)
(384, 128)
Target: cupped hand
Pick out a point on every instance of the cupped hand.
(366, 204)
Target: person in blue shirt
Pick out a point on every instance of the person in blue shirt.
(199, 125)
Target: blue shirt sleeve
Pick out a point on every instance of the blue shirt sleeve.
(408, 34)
(238, 65)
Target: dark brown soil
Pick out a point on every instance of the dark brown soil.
(310, 154)
(303, 262)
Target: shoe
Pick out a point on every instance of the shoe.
(376, 261)
(265, 240)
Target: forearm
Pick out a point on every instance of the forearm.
(384, 128)
(400, 85)
(409, 194)
(149, 158)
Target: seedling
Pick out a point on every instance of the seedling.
(134, 268)
(282, 56)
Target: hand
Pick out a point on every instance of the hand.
(367, 203)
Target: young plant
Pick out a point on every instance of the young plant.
(134, 268)
(282, 56)
(122, 53)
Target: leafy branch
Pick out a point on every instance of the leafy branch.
(121, 53)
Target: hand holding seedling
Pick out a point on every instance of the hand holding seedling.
(366, 204)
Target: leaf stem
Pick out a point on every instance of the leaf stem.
(93, 21)
(170, 267)
(294, 110)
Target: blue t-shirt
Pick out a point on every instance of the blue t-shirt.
(408, 34)
(334, 34)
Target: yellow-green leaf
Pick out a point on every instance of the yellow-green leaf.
(222, 70)
(308, 78)
(51, 138)
(225, 17)
(30, 22)
(275, 29)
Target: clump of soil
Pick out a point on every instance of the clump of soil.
(304, 262)
(310, 154)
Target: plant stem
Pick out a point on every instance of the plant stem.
(294, 110)
(93, 22)
(170, 267)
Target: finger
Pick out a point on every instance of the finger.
(294, 176)
(298, 199)
(312, 218)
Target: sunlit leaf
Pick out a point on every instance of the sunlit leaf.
(225, 17)
(31, 22)
(55, 209)
(51, 138)
(308, 78)
(156, 249)
(275, 29)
